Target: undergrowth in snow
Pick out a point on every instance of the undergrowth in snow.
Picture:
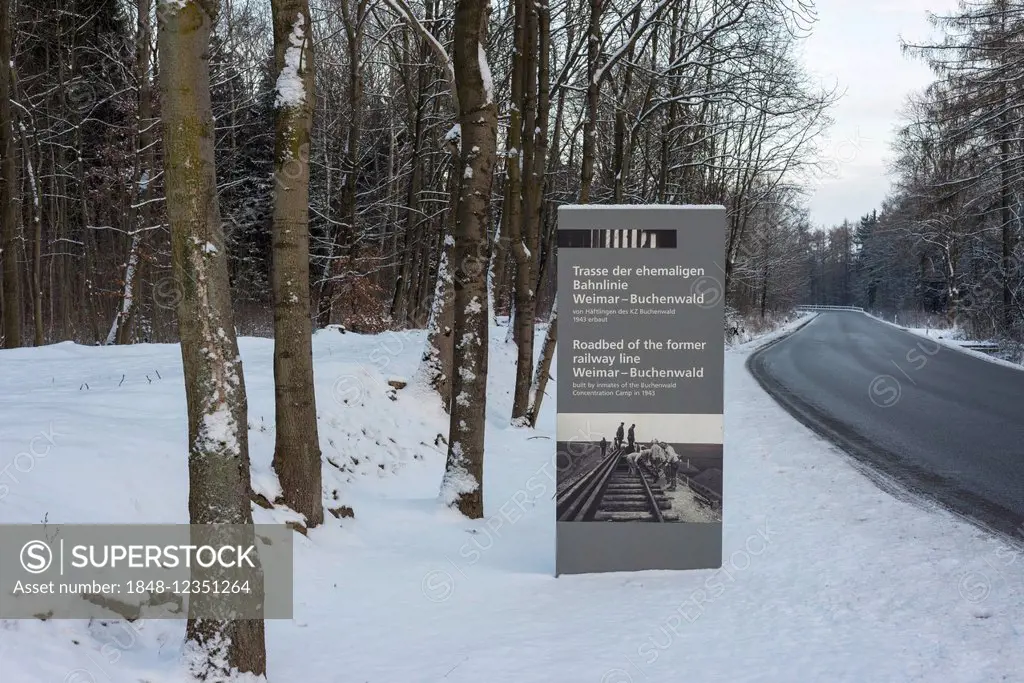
(1004, 352)
(743, 329)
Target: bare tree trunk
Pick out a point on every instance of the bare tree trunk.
(527, 247)
(463, 478)
(121, 329)
(500, 262)
(540, 380)
(8, 179)
(433, 241)
(621, 155)
(400, 305)
(347, 248)
(1005, 198)
(511, 214)
(593, 100)
(35, 209)
(297, 458)
(438, 356)
(219, 479)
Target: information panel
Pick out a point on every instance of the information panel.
(640, 388)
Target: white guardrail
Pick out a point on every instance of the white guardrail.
(830, 308)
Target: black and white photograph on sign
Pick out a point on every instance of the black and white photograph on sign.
(639, 468)
(617, 239)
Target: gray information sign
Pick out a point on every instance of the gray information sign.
(640, 388)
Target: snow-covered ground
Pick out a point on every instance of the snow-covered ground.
(825, 577)
(956, 338)
(949, 336)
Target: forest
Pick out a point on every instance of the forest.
(946, 241)
(605, 102)
(194, 171)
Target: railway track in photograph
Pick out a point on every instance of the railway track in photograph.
(611, 493)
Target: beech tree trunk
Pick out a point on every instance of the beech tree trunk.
(8, 179)
(438, 356)
(297, 457)
(463, 478)
(511, 224)
(540, 380)
(219, 479)
(527, 247)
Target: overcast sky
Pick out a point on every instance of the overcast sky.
(670, 428)
(857, 44)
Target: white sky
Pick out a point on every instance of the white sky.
(671, 428)
(857, 44)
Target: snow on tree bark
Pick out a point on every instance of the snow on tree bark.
(436, 365)
(435, 370)
(463, 479)
(35, 209)
(540, 379)
(297, 456)
(219, 480)
(128, 294)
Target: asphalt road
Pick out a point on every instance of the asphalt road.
(940, 422)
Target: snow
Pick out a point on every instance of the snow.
(485, 74)
(825, 576)
(457, 480)
(454, 134)
(218, 427)
(291, 90)
(954, 338)
(752, 342)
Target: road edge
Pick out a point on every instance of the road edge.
(764, 341)
(902, 481)
(944, 343)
